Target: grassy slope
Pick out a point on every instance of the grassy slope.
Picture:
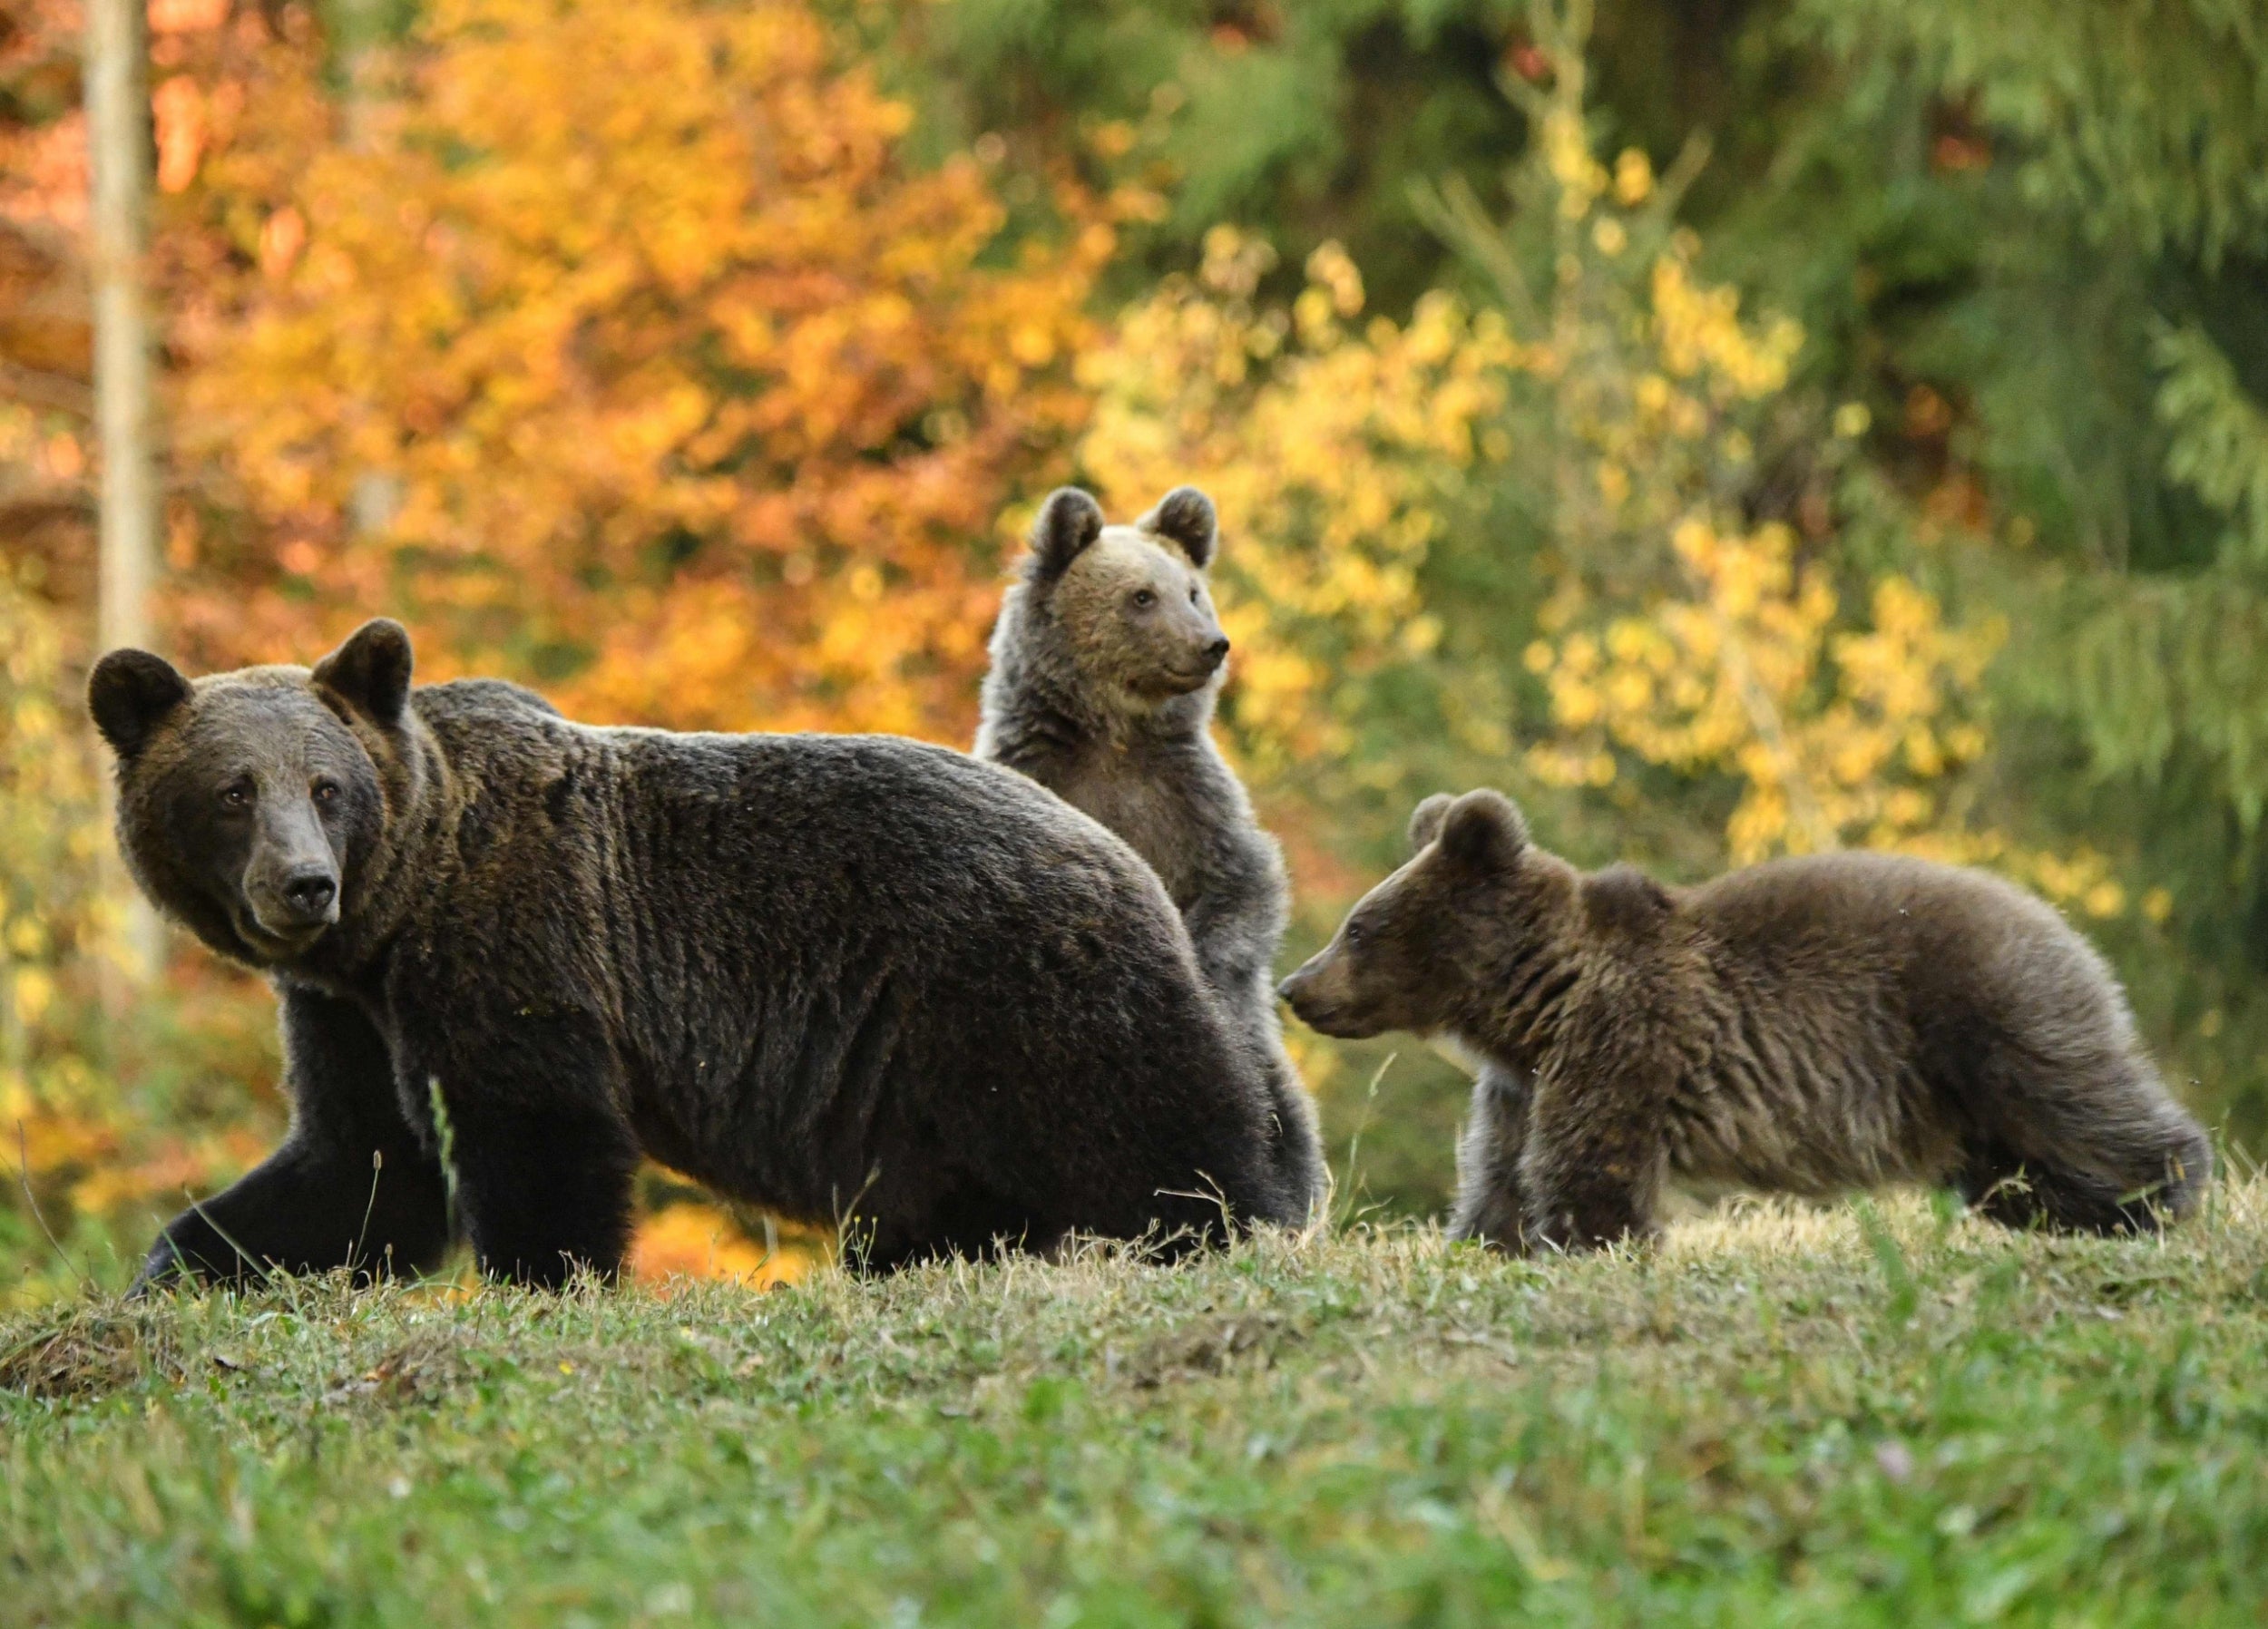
(1775, 1416)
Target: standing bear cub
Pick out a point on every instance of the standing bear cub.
(1808, 1025)
(854, 979)
(1107, 662)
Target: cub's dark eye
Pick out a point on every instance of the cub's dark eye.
(237, 794)
(326, 791)
(1192, 596)
(1144, 599)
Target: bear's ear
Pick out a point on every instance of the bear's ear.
(1184, 517)
(1069, 521)
(1426, 820)
(130, 692)
(1482, 831)
(370, 672)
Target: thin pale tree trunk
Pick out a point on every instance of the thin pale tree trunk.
(118, 146)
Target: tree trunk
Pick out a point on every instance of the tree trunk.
(118, 147)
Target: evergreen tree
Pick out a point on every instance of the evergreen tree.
(1306, 120)
(2063, 239)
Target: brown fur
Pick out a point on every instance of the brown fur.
(1107, 662)
(1810, 1026)
(847, 978)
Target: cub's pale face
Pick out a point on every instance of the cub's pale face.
(1138, 618)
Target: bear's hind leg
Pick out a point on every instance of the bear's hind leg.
(2096, 1150)
(963, 1218)
(1236, 940)
(1294, 1140)
(2039, 1193)
(2022, 1195)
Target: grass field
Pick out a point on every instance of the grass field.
(1775, 1416)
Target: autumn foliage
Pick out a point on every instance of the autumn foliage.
(616, 348)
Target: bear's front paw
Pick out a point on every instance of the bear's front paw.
(191, 1251)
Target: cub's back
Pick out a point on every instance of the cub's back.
(1942, 947)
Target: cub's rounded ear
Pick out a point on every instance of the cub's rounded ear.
(1069, 521)
(370, 672)
(1483, 831)
(1426, 820)
(1184, 517)
(130, 692)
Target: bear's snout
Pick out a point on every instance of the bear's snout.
(1192, 665)
(1300, 993)
(1323, 994)
(293, 898)
(311, 895)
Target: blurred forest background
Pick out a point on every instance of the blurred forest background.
(1731, 426)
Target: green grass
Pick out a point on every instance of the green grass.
(1776, 1415)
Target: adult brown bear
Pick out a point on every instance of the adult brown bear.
(838, 977)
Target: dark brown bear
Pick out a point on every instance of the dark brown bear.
(1809, 1026)
(838, 977)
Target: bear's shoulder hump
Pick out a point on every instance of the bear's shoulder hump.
(1623, 900)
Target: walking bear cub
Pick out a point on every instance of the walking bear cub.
(851, 978)
(1809, 1026)
(1107, 662)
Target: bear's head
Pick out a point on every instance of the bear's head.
(1475, 901)
(249, 802)
(1122, 615)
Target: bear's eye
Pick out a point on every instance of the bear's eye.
(1192, 595)
(237, 794)
(1353, 933)
(326, 791)
(1144, 599)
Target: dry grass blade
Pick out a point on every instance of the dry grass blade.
(92, 1351)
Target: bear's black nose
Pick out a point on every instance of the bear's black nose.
(1216, 652)
(309, 894)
